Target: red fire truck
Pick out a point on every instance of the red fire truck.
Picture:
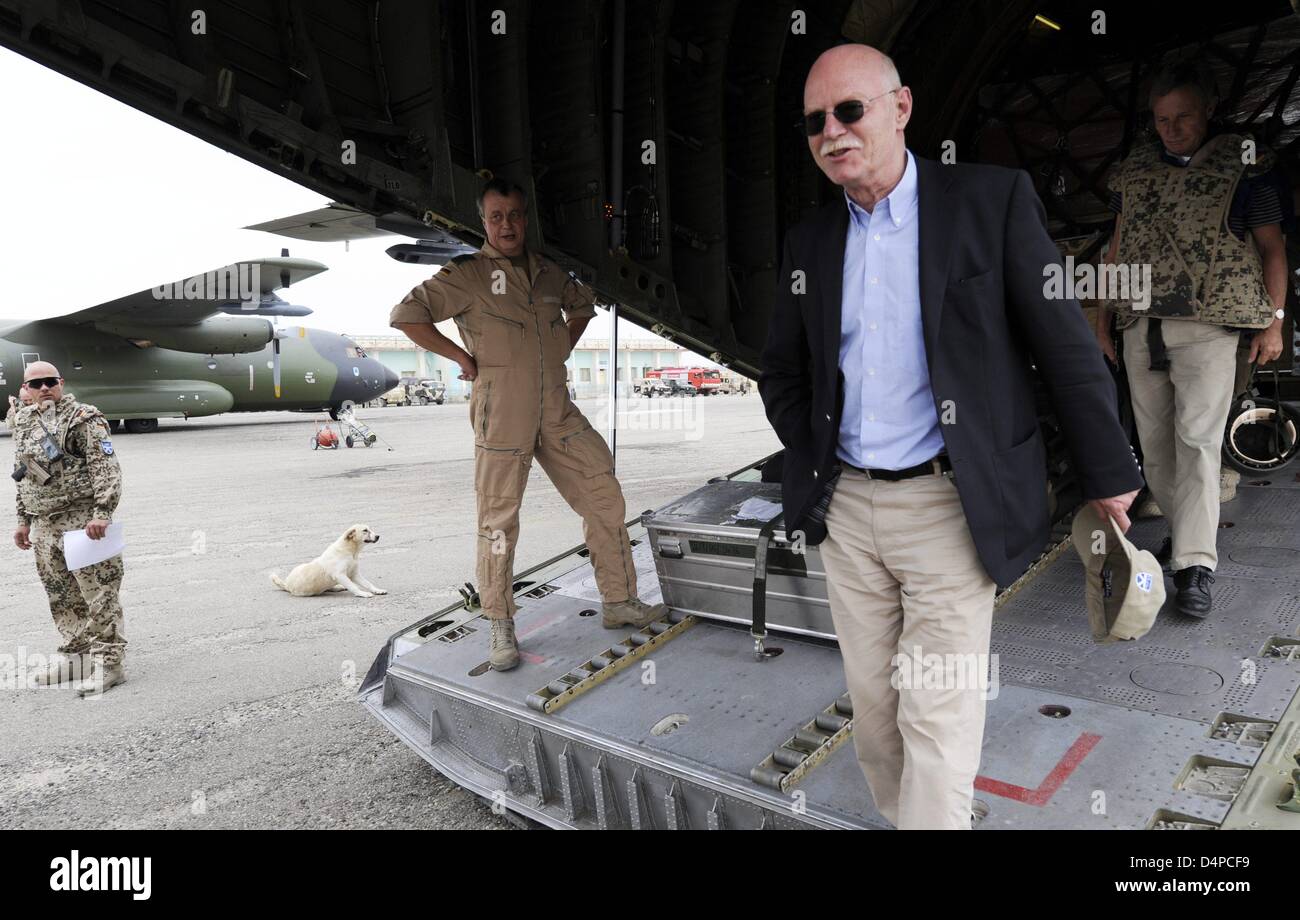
(692, 381)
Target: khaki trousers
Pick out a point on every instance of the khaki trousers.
(517, 415)
(582, 469)
(1180, 416)
(905, 582)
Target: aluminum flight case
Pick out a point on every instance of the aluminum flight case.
(704, 547)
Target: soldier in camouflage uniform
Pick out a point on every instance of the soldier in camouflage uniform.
(1205, 213)
(24, 399)
(79, 488)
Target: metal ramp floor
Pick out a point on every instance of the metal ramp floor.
(1193, 726)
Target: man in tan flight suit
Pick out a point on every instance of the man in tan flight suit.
(520, 315)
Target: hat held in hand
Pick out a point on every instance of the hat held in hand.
(1124, 587)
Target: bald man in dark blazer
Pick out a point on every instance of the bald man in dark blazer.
(898, 374)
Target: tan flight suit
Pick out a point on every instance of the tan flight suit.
(520, 409)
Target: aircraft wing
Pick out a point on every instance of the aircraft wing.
(242, 288)
(337, 222)
(333, 223)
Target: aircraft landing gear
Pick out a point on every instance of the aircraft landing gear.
(142, 425)
(343, 408)
(113, 425)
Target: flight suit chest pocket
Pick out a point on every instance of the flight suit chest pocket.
(501, 336)
(555, 332)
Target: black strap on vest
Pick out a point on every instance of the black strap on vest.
(1156, 346)
(758, 628)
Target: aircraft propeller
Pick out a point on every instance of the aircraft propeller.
(276, 336)
(278, 333)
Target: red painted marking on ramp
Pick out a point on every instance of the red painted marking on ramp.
(1055, 779)
(538, 625)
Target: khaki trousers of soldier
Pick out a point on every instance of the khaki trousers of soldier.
(84, 603)
(1180, 416)
(904, 580)
(578, 461)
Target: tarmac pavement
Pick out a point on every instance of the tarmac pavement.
(239, 708)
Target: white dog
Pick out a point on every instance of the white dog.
(333, 570)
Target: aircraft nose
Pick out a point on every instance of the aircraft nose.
(390, 379)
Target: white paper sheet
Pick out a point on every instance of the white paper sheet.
(80, 551)
(757, 509)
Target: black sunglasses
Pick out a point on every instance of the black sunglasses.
(37, 382)
(846, 113)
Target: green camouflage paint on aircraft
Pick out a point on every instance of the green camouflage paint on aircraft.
(196, 347)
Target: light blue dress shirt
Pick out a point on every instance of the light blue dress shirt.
(889, 420)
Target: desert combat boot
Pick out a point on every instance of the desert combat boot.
(631, 612)
(101, 678)
(63, 669)
(504, 653)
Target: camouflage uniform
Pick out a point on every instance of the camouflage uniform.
(1176, 220)
(11, 417)
(85, 484)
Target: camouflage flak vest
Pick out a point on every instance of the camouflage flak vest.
(1175, 218)
(70, 478)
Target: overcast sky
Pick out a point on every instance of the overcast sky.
(102, 200)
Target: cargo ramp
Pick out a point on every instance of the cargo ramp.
(1195, 726)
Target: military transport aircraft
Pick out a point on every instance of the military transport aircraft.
(200, 346)
(659, 143)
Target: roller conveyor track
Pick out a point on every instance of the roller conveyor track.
(809, 746)
(604, 665)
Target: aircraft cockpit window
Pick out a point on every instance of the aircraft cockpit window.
(356, 351)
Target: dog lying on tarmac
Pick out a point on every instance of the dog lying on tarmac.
(333, 570)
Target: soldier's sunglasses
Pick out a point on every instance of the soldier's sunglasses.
(37, 382)
(846, 113)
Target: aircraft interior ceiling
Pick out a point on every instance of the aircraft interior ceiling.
(568, 98)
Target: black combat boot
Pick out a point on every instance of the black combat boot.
(1193, 598)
